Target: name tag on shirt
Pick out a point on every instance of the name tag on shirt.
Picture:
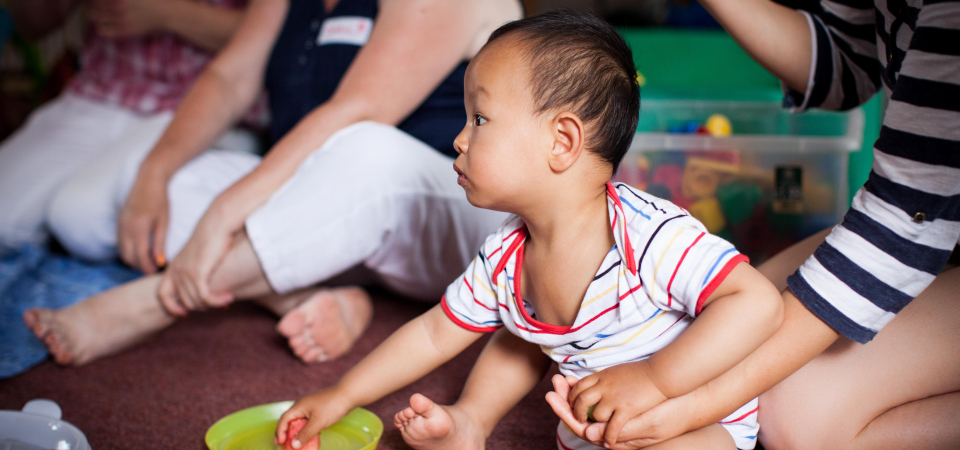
(349, 30)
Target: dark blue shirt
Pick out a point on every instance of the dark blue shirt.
(303, 74)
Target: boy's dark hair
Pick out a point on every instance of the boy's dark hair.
(578, 60)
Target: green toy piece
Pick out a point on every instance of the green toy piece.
(738, 201)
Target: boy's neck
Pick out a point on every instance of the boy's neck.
(566, 217)
(568, 237)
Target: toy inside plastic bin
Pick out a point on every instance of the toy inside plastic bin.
(778, 178)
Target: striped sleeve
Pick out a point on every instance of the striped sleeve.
(681, 264)
(844, 71)
(471, 300)
(905, 221)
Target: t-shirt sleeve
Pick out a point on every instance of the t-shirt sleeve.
(844, 69)
(904, 222)
(471, 300)
(681, 264)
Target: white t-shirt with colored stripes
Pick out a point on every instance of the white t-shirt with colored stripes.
(648, 289)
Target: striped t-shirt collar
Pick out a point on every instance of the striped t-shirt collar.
(618, 224)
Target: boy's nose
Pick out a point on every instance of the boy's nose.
(460, 143)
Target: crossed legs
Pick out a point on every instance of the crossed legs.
(319, 323)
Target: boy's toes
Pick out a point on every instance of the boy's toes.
(422, 405)
(399, 420)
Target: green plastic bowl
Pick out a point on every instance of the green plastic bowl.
(253, 429)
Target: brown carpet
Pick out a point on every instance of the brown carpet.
(166, 393)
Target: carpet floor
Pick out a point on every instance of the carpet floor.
(166, 393)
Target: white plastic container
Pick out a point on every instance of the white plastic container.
(38, 427)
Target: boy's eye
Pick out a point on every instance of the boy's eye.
(479, 120)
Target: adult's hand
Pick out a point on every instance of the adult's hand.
(126, 18)
(142, 224)
(801, 337)
(186, 282)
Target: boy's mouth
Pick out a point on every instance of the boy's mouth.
(461, 178)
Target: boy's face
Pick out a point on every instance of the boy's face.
(502, 143)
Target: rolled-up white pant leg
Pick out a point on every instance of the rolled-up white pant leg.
(196, 185)
(377, 196)
(83, 214)
(55, 142)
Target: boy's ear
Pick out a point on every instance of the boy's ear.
(568, 141)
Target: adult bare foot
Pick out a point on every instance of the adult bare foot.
(426, 425)
(100, 325)
(327, 323)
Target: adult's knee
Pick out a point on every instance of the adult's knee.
(13, 235)
(371, 151)
(74, 219)
(20, 223)
(787, 424)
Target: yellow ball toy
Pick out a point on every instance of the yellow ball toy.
(719, 125)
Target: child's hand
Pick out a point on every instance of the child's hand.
(558, 400)
(617, 394)
(321, 409)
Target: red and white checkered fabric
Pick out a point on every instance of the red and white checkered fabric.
(145, 74)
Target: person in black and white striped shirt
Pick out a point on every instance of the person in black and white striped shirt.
(903, 388)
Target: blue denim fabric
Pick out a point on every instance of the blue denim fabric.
(34, 277)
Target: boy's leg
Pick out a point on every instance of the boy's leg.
(711, 437)
(899, 390)
(506, 371)
(57, 139)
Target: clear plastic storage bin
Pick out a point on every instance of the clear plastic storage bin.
(778, 178)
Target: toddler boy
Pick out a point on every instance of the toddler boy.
(607, 280)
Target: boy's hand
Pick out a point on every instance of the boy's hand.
(558, 400)
(618, 394)
(657, 425)
(321, 409)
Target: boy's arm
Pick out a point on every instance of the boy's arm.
(736, 319)
(407, 355)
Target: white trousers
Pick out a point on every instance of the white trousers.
(69, 169)
(371, 195)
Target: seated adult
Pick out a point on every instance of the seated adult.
(367, 98)
(866, 357)
(138, 60)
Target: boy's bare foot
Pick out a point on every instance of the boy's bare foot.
(100, 325)
(426, 425)
(327, 323)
